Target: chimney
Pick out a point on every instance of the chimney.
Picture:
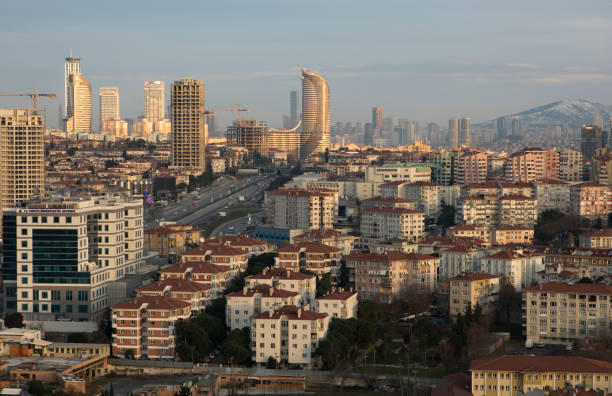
(244, 290)
(271, 312)
(288, 273)
(271, 291)
(299, 313)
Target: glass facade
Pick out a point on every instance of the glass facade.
(55, 257)
(9, 247)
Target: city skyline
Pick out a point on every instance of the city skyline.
(448, 67)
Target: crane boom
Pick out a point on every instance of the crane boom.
(33, 95)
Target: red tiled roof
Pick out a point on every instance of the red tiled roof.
(600, 233)
(475, 277)
(390, 256)
(536, 364)
(214, 249)
(506, 255)
(282, 273)
(560, 287)
(339, 295)
(516, 197)
(321, 233)
(291, 311)
(152, 302)
(511, 227)
(176, 285)
(386, 199)
(196, 267)
(264, 290)
(392, 210)
(550, 181)
(310, 247)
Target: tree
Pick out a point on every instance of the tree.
(477, 316)
(37, 388)
(257, 263)
(236, 347)
(324, 284)
(447, 216)
(217, 308)
(183, 391)
(509, 300)
(14, 320)
(271, 363)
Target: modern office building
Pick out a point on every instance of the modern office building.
(501, 128)
(315, 114)
(591, 139)
(71, 66)
(516, 126)
(453, 132)
(293, 108)
(109, 104)
(22, 155)
(188, 126)
(377, 118)
(154, 94)
(465, 132)
(79, 110)
(61, 257)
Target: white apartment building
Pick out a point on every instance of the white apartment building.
(426, 195)
(562, 313)
(570, 164)
(518, 210)
(289, 335)
(480, 210)
(382, 223)
(61, 257)
(469, 290)
(596, 240)
(339, 304)
(518, 268)
(458, 260)
(552, 194)
(398, 172)
(287, 279)
(241, 305)
(297, 208)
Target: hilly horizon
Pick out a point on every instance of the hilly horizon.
(571, 112)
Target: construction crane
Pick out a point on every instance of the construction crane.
(33, 95)
(238, 109)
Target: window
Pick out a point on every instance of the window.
(68, 219)
(68, 308)
(24, 294)
(83, 308)
(55, 295)
(24, 307)
(24, 268)
(24, 256)
(24, 231)
(45, 295)
(69, 295)
(56, 220)
(24, 281)
(43, 219)
(24, 244)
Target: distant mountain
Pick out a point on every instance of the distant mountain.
(571, 112)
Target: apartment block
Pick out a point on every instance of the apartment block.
(518, 268)
(341, 304)
(470, 231)
(252, 246)
(171, 240)
(189, 133)
(509, 234)
(196, 294)
(144, 327)
(596, 240)
(517, 375)
(382, 223)
(458, 260)
(289, 335)
(570, 164)
(480, 210)
(297, 208)
(562, 313)
(471, 167)
(285, 279)
(516, 188)
(531, 164)
(236, 260)
(312, 256)
(398, 171)
(426, 195)
(474, 289)
(591, 200)
(216, 277)
(518, 210)
(61, 257)
(552, 194)
(386, 276)
(344, 242)
(241, 305)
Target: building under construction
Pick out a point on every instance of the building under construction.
(258, 137)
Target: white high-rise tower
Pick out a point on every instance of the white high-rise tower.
(71, 66)
(315, 114)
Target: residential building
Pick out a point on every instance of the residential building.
(315, 114)
(518, 268)
(22, 155)
(142, 128)
(518, 188)
(552, 194)
(109, 104)
(79, 110)
(215, 277)
(171, 240)
(470, 231)
(189, 135)
(457, 260)
(144, 327)
(531, 164)
(241, 305)
(115, 127)
(381, 223)
(252, 246)
(386, 276)
(481, 210)
(563, 313)
(591, 200)
(591, 140)
(596, 240)
(285, 279)
(518, 375)
(426, 195)
(154, 100)
(344, 242)
(471, 167)
(479, 189)
(288, 335)
(303, 209)
(311, 256)
(570, 164)
(196, 294)
(509, 234)
(474, 289)
(97, 241)
(341, 304)
(234, 259)
(398, 172)
(518, 210)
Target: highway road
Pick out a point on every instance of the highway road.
(224, 201)
(190, 208)
(238, 226)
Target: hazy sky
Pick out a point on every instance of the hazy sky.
(422, 60)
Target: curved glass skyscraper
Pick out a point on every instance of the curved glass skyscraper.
(315, 114)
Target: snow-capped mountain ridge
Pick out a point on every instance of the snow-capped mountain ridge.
(571, 112)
